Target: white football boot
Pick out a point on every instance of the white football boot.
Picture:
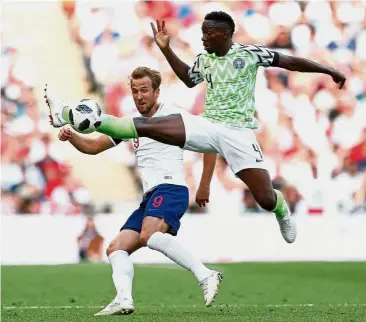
(55, 106)
(210, 287)
(287, 226)
(120, 305)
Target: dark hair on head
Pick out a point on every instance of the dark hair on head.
(141, 72)
(221, 16)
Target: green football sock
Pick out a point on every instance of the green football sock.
(280, 209)
(65, 113)
(119, 128)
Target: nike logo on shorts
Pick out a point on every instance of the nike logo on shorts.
(259, 160)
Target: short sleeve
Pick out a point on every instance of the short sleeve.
(194, 73)
(263, 56)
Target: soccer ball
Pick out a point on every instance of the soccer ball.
(84, 116)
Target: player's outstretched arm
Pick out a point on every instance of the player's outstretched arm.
(179, 67)
(85, 144)
(203, 191)
(308, 66)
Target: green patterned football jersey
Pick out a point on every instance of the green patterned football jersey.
(231, 82)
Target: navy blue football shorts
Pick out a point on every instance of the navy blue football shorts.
(167, 201)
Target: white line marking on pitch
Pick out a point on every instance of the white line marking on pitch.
(69, 307)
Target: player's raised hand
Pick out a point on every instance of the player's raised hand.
(203, 195)
(161, 35)
(338, 77)
(65, 134)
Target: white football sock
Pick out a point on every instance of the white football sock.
(168, 245)
(122, 272)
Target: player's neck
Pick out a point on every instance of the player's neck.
(224, 50)
(153, 110)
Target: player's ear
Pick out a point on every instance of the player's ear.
(157, 92)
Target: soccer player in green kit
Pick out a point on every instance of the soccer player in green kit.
(226, 127)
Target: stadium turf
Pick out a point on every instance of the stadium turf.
(250, 292)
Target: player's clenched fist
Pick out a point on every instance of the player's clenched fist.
(65, 134)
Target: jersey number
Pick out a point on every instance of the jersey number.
(209, 80)
(258, 150)
(157, 201)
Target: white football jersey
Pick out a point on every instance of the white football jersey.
(157, 162)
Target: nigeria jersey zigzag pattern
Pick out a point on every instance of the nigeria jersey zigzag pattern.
(231, 82)
(194, 73)
(261, 53)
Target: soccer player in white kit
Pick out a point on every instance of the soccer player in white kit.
(229, 70)
(156, 222)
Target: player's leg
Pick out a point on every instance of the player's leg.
(124, 244)
(173, 129)
(185, 130)
(154, 235)
(160, 226)
(168, 129)
(241, 150)
(118, 252)
(260, 185)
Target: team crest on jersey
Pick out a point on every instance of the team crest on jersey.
(238, 63)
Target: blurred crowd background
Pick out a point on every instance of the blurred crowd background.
(312, 134)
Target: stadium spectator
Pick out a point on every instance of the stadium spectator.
(90, 243)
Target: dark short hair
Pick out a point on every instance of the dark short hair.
(223, 17)
(141, 72)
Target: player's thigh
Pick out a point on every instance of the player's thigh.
(151, 225)
(240, 148)
(127, 240)
(168, 202)
(132, 229)
(245, 158)
(200, 134)
(165, 129)
(134, 222)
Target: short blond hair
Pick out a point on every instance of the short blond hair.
(142, 71)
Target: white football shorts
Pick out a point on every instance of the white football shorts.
(239, 146)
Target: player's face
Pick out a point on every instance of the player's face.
(213, 36)
(144, 95)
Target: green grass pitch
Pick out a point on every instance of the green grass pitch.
(249, 292)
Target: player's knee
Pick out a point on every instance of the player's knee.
(111, 248)
(266, 199)
(145, 236)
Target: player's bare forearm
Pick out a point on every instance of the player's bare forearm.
(179, 67)
(203, 191)
(83, 144)
(308, 66)
(209, 162)
(90, 145)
